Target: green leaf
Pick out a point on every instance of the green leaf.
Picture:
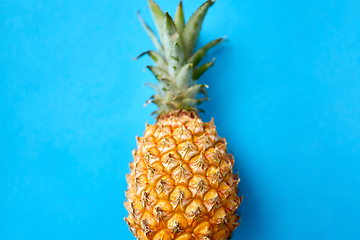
(158, 17)
(198, 72)
(155, 87)
(151, 34)
(164, 81)
(187, 104)
(179, 18)
(158, 101)
(157, 59)
(193, 91)
(161, 105)
(201, 100)
(183, 78)
(157, 112)
(192, 29)
(191, 103)
(199, 54)
(170, 36)
(159, 73)
(177, 60)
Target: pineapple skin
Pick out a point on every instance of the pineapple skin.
(181, 183)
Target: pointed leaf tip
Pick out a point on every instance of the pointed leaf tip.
(158, 73)
(199, 54)
(192, 29)
(179, 18)
(158, 17)
(151, 34)
(156, 57)
(198, 72)
(154, 87)
(170, 35)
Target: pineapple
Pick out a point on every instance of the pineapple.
(181, 183)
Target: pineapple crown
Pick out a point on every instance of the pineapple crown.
(176, 61)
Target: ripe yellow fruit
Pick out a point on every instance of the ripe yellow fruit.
(181, 184)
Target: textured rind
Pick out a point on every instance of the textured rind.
(181, 183)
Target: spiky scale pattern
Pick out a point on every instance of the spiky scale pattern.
(181, 184)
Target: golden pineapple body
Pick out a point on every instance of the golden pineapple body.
(181, 184)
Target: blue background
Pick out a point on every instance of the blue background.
(284, 91)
